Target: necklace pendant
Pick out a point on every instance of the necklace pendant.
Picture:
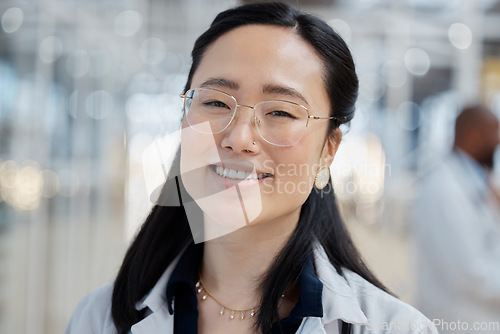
(232, 315)
(242, 315)
(252, 314)
(204, 297)
(199, 287)
(222, 310)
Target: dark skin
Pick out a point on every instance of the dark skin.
(477, 134)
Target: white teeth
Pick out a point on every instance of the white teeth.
(232, 174)
(238, 174)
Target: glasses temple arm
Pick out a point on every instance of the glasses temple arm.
(318, 117)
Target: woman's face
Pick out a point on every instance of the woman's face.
(257, 63)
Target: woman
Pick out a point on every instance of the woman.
(266, 93)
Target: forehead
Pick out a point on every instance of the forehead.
(257, 55)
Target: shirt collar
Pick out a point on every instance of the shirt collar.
(156, 297)
(310, 302)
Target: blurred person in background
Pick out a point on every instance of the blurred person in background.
(457, 230)
(268, 87)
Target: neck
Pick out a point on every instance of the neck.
(234, 263)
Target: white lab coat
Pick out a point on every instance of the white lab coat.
(348, 297)
(457, 236)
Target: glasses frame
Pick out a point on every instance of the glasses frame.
(256, 119)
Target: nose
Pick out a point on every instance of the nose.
(241, 134)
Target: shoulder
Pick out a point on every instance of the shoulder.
(350, 297)
(93, 313)
(384, 312)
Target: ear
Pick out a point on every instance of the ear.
(330, 148)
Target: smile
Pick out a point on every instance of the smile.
(233, 174)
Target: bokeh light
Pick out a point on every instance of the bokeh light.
(417, 61)
(127, 23)
(21, 184)
(460, 35)
(12, 20)
(50, 49)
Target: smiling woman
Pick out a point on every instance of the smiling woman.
(266, 93)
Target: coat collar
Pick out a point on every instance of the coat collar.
(339, 301)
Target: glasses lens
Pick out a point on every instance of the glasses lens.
(208, 110)
(281, 123)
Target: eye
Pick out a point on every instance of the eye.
(217, 104)
(280, 113)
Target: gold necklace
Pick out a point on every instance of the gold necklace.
(242, 312)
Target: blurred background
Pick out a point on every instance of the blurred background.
(86, 86)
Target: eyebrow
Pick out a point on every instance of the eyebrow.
(220, 82)
(281, 90)
(267, 89)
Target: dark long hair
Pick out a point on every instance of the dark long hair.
(166, 230)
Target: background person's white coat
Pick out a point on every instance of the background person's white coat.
(457, 236)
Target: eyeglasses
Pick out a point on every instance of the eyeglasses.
(281, 123)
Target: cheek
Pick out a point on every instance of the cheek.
(295, 171)
(296, 180)
(198, 148)
(197, 152)
(191, 148)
